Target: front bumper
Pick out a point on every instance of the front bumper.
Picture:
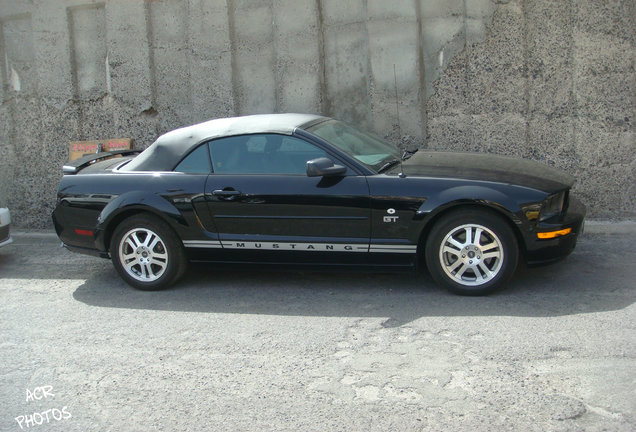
(543, 251)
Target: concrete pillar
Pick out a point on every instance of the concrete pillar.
(211, 60)
(346, 56)
(298, 62)
(395, 69)
(254, 51)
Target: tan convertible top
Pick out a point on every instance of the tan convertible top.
(170, 147)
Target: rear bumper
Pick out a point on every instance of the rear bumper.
(71, 240)
(5, 227)
(86, 251)
(545, 251)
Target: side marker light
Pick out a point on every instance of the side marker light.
(554, 234)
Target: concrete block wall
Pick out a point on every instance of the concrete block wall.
(551, 80)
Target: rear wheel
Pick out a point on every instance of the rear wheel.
(147, 253)
(472, 252)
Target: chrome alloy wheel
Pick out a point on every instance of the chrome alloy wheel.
(143, 255)
(471, 254)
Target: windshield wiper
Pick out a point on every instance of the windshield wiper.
(389, 164)
(408, 153)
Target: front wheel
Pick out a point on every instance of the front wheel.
(146, 253)
(472, 252)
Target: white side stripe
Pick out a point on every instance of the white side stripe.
(393, 248)
(315, 247)
(208, 244)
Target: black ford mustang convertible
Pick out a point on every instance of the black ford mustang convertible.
(303, 189)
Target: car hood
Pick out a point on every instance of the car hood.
(487, 167)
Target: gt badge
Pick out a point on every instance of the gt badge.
(391, 218)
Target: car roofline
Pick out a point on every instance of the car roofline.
(170, 147)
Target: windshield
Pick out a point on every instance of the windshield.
(367, 148)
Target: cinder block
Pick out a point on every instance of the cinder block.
(443, 8)
(396, 91)
(210, 60)
(395, 10)
(52, 45)
(552, 140)
(596, 54)
(615, 19)
(338, 12)
(600, 145)
(503, 134)
(129, 78)
(87, 25)
(171, 62)
(346, 70)
(609, 98)
(450, 133)
(19, 56)
(300, 92)
(296, 17)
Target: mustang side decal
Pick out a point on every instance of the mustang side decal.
(315, 247)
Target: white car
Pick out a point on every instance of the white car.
(5, 227)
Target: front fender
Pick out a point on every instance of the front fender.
(470, 195)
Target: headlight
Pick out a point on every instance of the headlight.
(553, 205)
(531, 211)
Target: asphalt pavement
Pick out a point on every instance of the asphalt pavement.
(249, 350)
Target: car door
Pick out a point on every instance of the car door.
(266, 207)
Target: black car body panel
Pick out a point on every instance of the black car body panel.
(487, 167)
(362, 217)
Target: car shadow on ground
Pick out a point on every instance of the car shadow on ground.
(593, 279)
(566, 288)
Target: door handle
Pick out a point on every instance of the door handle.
(226, 194)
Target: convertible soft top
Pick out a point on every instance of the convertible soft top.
(169, 148)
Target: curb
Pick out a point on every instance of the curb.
(595, 226)
(45, 234)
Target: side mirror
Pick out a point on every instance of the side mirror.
(323, 167)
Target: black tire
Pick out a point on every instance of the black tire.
(470, 265)
(147, 253)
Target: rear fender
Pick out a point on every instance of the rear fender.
(131, 203)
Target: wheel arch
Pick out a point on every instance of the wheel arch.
(118, 218)
(438, 214)
(130, 205)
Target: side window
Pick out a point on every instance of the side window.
(197, 162)
(262, 154)
(229, 155)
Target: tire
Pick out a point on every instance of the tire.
(147, 253)
(473, 266)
